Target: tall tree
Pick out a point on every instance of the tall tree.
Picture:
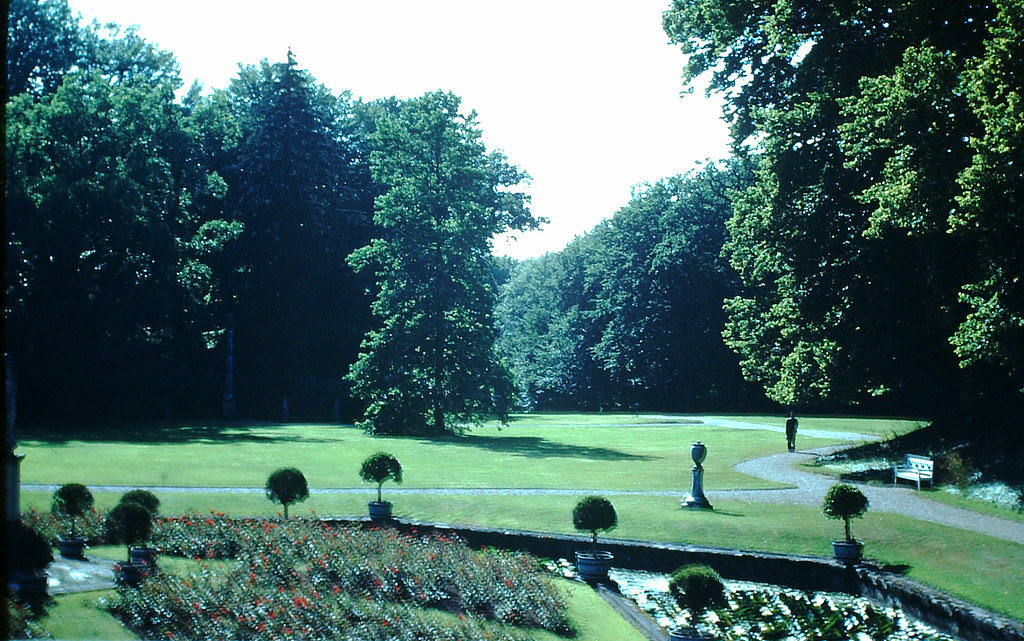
(102, 247)
(817, 239)
(990, 336)
(44, 41)
(298, 180)
(662, 283)
(429, 366)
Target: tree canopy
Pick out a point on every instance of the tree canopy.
(870, 267)
(429, 365)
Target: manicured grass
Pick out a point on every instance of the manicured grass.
(978, 568)
(883, 427)
(593, 619)
(975, 505)
(81, 616)
(528, 454)
(936, 494)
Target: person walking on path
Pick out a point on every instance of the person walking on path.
(791, 424)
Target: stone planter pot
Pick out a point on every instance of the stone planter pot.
(848, 552)
(30, 586)
(143, 555)
(380, 510)
(130, 574)
(72, 547)
(685, 633)
(594, 567)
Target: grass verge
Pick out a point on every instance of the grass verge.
(82, 616)
(978, 568)
(529, 454)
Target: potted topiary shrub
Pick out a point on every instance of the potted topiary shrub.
(72, 500)
(695, 588)
(378, 468)
(28, 555)
(843, 501)
(143, 554)
(591, 514)
(286, 486)
(131, 524)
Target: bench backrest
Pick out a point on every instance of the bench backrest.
(918, 462)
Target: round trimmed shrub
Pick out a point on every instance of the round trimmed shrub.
(286, 486)
(594, 513)
(380, 467)
(74, 500)
(129, 523)
(844, 501)
(697, 588)
(28, 550)
(145, 498)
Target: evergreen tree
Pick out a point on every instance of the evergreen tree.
(298, 181)
(429, 366)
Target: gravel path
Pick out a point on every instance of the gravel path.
(808, 488)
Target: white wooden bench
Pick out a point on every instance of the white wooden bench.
(914, 468)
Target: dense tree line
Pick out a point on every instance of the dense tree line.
(630, 315)
(142, 228)
(862, 248)
(168, 247)
(879, 245)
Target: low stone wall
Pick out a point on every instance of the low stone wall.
(945, 612)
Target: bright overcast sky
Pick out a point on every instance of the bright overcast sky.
(583, 95)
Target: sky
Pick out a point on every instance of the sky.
(582, 95)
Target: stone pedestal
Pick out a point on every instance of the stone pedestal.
(696, 499)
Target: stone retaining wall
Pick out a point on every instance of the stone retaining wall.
(945, 612)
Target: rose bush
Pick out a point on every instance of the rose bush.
(313, 580)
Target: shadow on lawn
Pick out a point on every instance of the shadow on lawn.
(160, 433)
(535, 446)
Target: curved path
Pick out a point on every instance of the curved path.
(808, 488)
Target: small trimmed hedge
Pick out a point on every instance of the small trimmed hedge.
(697, 588)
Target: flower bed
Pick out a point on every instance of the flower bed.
(52, 526)
(312, 580)
(759, 612)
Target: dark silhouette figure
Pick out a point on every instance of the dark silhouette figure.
(791, 424)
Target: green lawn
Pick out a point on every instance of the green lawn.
(82, 616)
(608, 451)
(605, 453)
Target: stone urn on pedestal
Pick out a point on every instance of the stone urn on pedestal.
(696, 499)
